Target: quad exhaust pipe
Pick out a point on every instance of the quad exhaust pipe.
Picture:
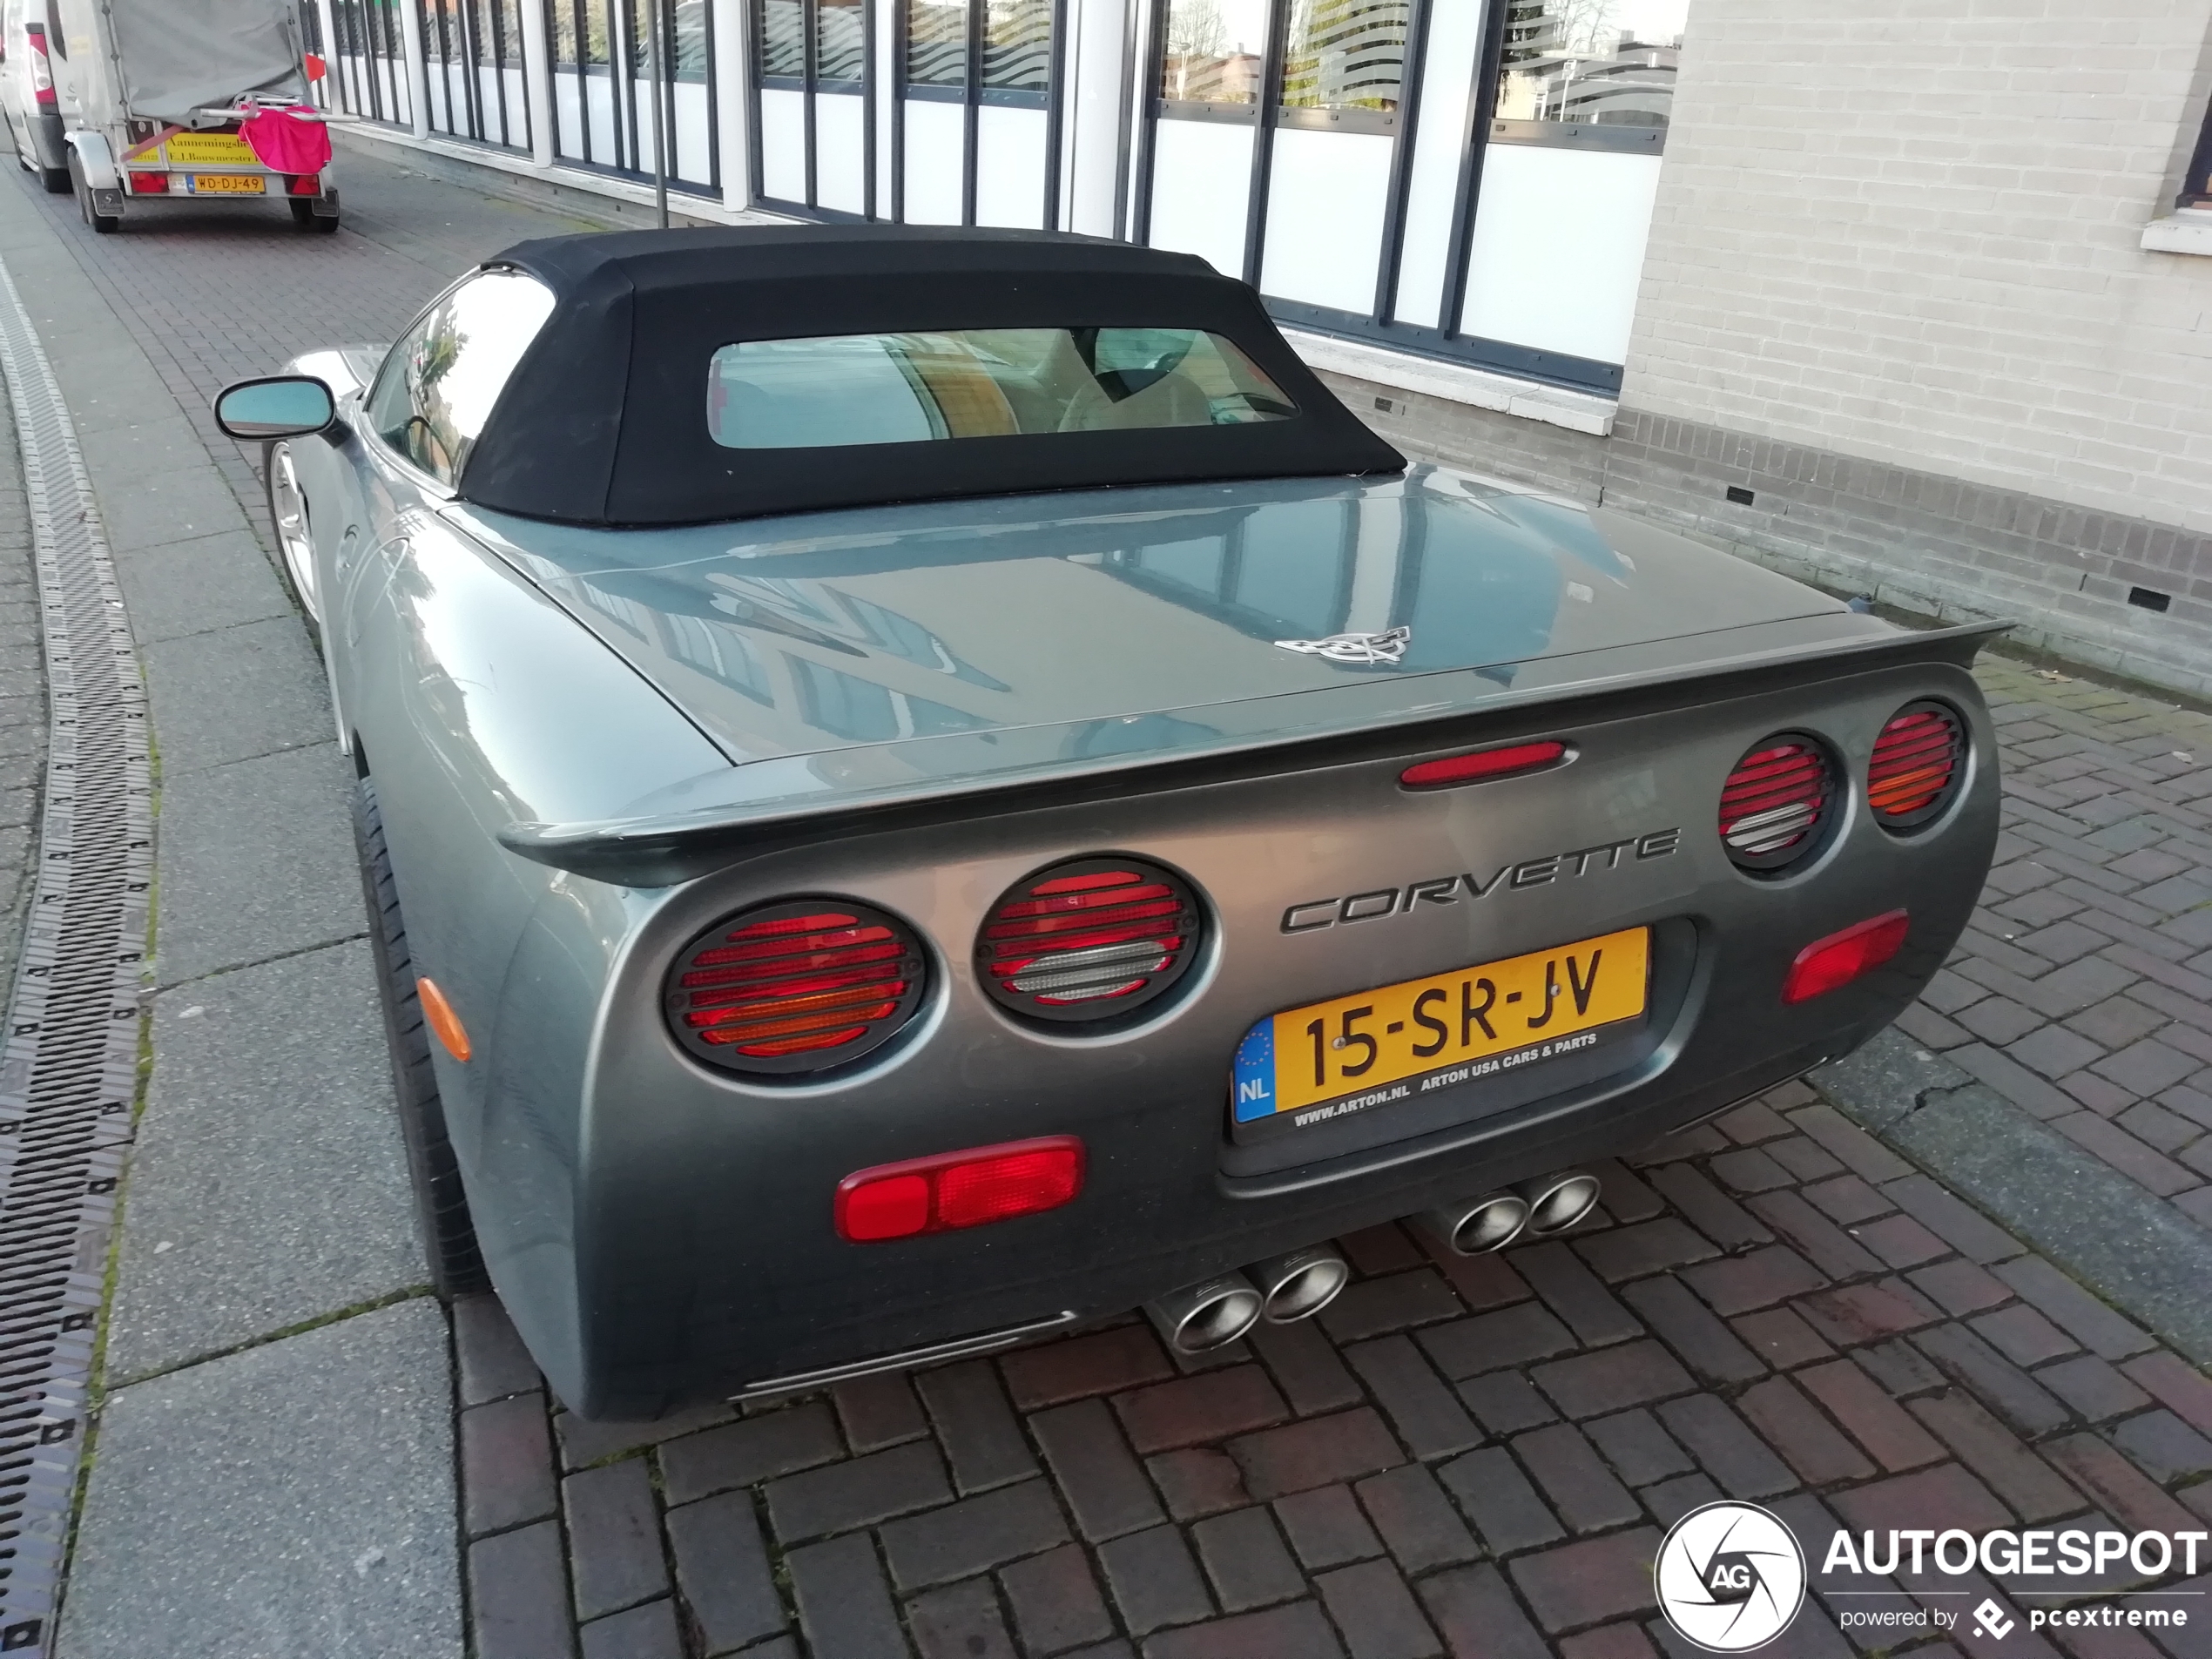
(1537, 1209)
(1281, 1290)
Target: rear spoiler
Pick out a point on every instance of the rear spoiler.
(792, 799)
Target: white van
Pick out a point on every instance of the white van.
(143, 100)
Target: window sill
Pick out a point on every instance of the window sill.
(2188, 229)
(1555, 406)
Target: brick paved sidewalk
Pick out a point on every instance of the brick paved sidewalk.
(1464, 1457)
(2083, 991)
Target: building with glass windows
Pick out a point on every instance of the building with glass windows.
(1908, 295)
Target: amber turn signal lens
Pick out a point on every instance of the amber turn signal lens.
(1483, 765)
(441, 1018)
(1916, 766)
(1829, 964)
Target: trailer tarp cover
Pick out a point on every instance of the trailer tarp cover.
(178, 58)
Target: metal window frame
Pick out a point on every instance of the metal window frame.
(2196, 183)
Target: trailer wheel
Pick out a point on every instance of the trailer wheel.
(305, 218)
(105, 223)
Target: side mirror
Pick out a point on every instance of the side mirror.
(284, 405)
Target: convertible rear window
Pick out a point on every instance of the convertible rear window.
(838, 389)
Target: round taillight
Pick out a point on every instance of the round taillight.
(1775, 803)
(1093, 939)
(1917, 766)
(799, 986)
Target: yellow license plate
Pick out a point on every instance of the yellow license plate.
(208, 150)
(228, 183)
(1402, 1041)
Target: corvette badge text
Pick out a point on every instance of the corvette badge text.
(1729, 1577)
(1316, 913)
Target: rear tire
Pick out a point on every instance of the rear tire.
(305, 218)
(57, 180)
(103, 224)
(440, 1205)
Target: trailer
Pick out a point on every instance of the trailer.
(162, 106)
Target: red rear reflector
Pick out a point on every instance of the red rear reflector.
(795, 986)
(1774, 803)
(307, 184)
(1483, 763)
(1826, 964)
(149, 184)
(1088, 939)
(1915, 766)
(954, 1189)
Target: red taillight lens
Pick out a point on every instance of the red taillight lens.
(42, 73)
(1775, 803)
(1483, 764)
(799, 986)
(1837, 960)
(1090, 940)
(1916, 765)
(956, 1189)
(149, 184)
(307, 184)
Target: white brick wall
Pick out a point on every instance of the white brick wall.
(1907, 230)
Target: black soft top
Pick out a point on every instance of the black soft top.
(604, 420)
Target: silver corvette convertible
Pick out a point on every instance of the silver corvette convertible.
(921, 788)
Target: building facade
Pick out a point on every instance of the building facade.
(1909, 296)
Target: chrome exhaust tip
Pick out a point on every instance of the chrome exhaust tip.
(1557, 1201)
(1299, 1284)
(1474, 1226)
(1208, 1315)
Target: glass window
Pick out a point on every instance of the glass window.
(937, 43)
(1346, 55)
(439, 383)
(783, 40)
(1605, 63)
(1017, 45)
(1213, 51)
(979, 383)
(2196, 187)
(840, 40)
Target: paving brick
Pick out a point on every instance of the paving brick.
(1513, 1336)
(1613, 1641)
(971, 1536)
(1377, 1613)
(1631, 1375)
(844, 1605)
(1505, 1402)
(1854, 1313)
(1500, 1501)
(745, 1454)
(2175, 1384)
(2116, 1485)
(1307, 1366)
(1958, 1224)
(1806, 1159)
(1417, 1522)
(1627, 1200)
(1582, 1490)
(1377, 1250)
(1819, 1239)
(1244, 1557)
(2095, 1390)
(2163, 1447)
(1760, 1279)
(1900, 1241)
(2022, 1335)
(1859, 1152)
(1154, 1581)
(1571, 1291)
(2035, 1095)
(1795, 1427)
(1750, 1171)
(1847, 1200)
(2054, 1050)
(1693, 1331)
(1327, 1527)
(1634, 1444)
(1105, 1362)
(2126, 1154)
(1669, 1500)
(1997, 1020)
(647, 1632)
(492, 1360)
(615, 1554)
(1585, 1583)
(722, 1568)
(1056, 1600)
(1648, 1247)
(1943, 1496)
(1780, 1338)
(879, 1411)
(960, 1620)
(1299, 1631)
(2117, 1022)
(2145, 1066)
(2166, 1131)
(1212, 1405)
(974, 1426)
(1428, 1418)
(1104, 1486)
(1372, 1306)
(1318, 1452)
(1948, 992)
(1725, 1448)
(1960, 1287)
(1901, 1368)
(1707, 1209)
(1929, 1029)
(2016, 1397)
(1749, 1124)
(858, 1493)
(1197, 1480)
(2081, 1315)
(1476, 1613)
(505, 1464)
(1480, 1282)
(518, 1594)
(584, 1444)
(2023, 1480)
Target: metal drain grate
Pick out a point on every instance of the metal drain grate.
(68, 1062)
